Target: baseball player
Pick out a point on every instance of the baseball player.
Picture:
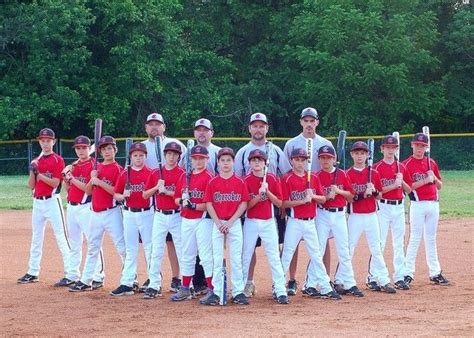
(301, 196)
(137, 216)
(279, 165)
(76, 177)
(309, 121)
(391, 208)
(425, 180)
(260, 221)
(106, 216)
(332, 219)
(363, 216)
(167, 217)
(155, 126)
(45, 180)
(196, 228)
(226, 199)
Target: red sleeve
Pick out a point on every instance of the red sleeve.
(58, 168)
(245, 192)
(120, 186)
(348, 184)
(208, 193)
(275, 187)
(376, 180)
(152, 180)
(317, 185)
(435, 169)
(118, 172)
(180, 186)
(284, 189)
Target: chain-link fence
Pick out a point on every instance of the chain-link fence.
(451, 151)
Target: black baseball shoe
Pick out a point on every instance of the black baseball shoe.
(151, 293)
(401, 285)
(311, 292)
(331, 295)
(240, 299)
(144, 286)
(283, 299)
(200, 290)
(408, 280)
(354, 291)
(175, 284)
(27, 278)
(439, 280)
(373, 286)
(64, 282)
(97, 285)
(211, 299)
(122, 290)
(387, 288)
(292, 287)
(79, 287)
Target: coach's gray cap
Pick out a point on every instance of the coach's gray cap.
(203, 123)
(309, 111)
(155, 117)
(258, 117)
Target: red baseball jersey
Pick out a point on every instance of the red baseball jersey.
(197, 188)
(81, 171)
(263, 209)
(388, 173)
(171, 177)
(226, 194)
(51, 166)
(417, 171)
(359, 179)
(294, 189)
(108, 173)
(342, 182)
(138, 179)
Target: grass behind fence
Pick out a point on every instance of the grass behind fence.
(456, 197)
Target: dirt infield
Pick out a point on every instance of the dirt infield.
(41, 309)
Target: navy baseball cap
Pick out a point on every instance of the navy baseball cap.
(81, 141)
(137, 146)
(225, 151)
(257, 153)
(360, 145)
(420, 138)
(46, 133)
(203, 123)
(105, 140)
(258, 117)
(298, 152)
(326, 151)
(390, 140)
(173, 146)
(309, 111)
(199, 151)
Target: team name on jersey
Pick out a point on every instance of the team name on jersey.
(229, 197)
(81, 179)
(109, 182)
(419, 177)
(359, 188)
(196, 193)
(387, 181)
(171, 187)
(137, 187)
(48, 174)
(298, 195)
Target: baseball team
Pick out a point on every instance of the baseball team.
(197, 200)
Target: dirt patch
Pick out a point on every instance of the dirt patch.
(41, 309)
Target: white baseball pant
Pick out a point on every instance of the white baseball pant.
(162, 224)
(297, 229)
(78, 226)
(369, 223)
(110, 221)
(136, 224)
(424, 217)
(267, 230)
(196, 236)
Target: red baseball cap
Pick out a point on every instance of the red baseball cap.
(225, 151)
(173, 146)
(199, 151)
(46, 133)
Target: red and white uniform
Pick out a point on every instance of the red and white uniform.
(137, 221)
(301, 226)
(260, 222)
(78, 218)
(424, 215)
(47, 207)
(392, 214)
(166, 219)
(226, 194)
(106, 217)
(332, 220)
(196, 228)
(363, 218)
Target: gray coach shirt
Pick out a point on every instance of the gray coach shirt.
(279, 164)
(151, 160)
(211, 162)
(300, 142)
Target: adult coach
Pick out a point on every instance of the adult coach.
(309, 121)
(155, 126)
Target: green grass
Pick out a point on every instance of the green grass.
(456, 197)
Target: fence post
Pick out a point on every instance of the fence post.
(29, 149)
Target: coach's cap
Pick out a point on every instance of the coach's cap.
(105, 140)
(81, 141)
(326, 151)
(173, 146)
(199, 151)
(390, 140)
(298, 152)
(225, 151)
(258, 117)
(46, 133)
(310, 111)
(420, 138)
(137, 146)
(257, 153)
(203, 123)
(155, 117)
(360, 145)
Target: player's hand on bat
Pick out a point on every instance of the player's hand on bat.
(68, 176)
(93, 173)
(309, 196)
(370, 190)
(161, 186)
(399, 180)
(332, 193)
(263, 190)
(185, 196)
(431, 176)
(127, 193)
(95, 181)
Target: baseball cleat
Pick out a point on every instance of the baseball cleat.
(175, 284)
(122, 290)
(240, 299)
(184, 293)
(249, 290)
(211, 299)
(64, 282)
(311, 292)
(97, 285)
(331, 295)
(27, 278)
(439, 280)
(387, 288)
(373, 286)
(79, 287)
(292, 287)
(354, 291)
(151, 293)
(283, 299)
(401, 285)
(144, 286)
(408, 280)
(200, 290)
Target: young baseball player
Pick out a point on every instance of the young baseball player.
(45, 180)
(196, 228)
(260, 221)
(137, 216)
(363, 216)
(425, 180)
(76, 177)
(301, 197)
(162, 185)
(332, 219)
(391, 208)
(226, 199)
(106, 216)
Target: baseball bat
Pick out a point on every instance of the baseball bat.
(223, 293)
(426, 131)
(370, 160)
(97, 136)
(128, 160)
(396, 134)
(340, 153)
(189, 169)
(158, 154)
(309, 152)
(268, 151)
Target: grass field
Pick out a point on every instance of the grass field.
(456, 197)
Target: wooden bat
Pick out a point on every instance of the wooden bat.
(189, 169)
(223, 272)
(370, 160)
(97, 136)
(269, 152)
(426, 131)
(128, 144)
